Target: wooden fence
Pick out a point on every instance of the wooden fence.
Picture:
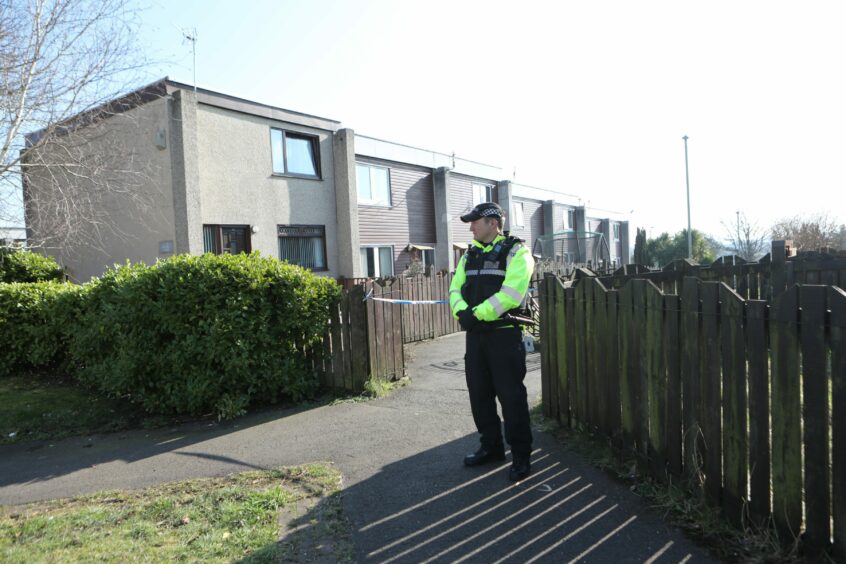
(752, 280)
(744, 398)
(363, 341)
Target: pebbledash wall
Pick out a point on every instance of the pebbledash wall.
(211, 167)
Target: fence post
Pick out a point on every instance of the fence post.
(672, 359)
(655, 393)
(710, 386)
(759, 411)
(691, 406)
(733, 353)
(812, 301)
(778, 270)
(786, 416)
(837, 305)
(358, 330)
(561, 353)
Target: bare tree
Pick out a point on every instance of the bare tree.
(745, 238)
(61, 62)
(811, 232)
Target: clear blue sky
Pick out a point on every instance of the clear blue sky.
(590, 98)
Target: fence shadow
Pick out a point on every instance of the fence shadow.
(430, 508)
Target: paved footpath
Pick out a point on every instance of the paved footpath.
(405, 490)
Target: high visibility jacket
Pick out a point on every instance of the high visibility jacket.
(492, 279)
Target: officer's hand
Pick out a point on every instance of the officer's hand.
(467, 320)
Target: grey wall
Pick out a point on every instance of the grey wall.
(144, 221)
(237, 184)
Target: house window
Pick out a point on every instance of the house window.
(295, 154)
(377, 262)
(423, 253)
(427, 257)
(571, 220)
(519, 221)
(226, 239)
(616, 228)
(482, 193)
(374, 184)
(303, 245)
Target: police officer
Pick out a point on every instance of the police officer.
(491, 282)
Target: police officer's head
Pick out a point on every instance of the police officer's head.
(485, 221)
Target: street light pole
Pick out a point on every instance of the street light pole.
(739, 242)
(687, 180)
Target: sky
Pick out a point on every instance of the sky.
(587, 98)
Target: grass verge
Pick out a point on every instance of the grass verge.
(290, 514)
(33, 408)
(676, 503)
(373, 389)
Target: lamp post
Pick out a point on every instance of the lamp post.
(687, 181)
(739, 243)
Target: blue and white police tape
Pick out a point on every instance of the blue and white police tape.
(369, 296)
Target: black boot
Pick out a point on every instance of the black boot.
(484, 455)
(521, 467)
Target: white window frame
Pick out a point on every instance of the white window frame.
(378, 273)
(570, 218)
(481, 193)
(370, 201)
(615, 229)
(519, 216)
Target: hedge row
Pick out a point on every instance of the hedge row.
(20, 265)
(192, 334)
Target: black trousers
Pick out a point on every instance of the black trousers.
(495, 366)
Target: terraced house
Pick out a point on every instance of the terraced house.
(227, 175)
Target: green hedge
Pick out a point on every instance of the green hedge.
(19, 265)
(200, 334)
(192, 334)
(36, 321)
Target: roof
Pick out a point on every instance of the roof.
(165, 87)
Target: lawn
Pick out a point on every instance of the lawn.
(288, 514)
(33, 408)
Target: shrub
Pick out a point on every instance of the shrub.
(195, 334)
(36, 321)
(19, 265)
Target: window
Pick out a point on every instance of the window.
(377, 262)
(374, 184)
(427, 257)
(226, 239)
(518, 215)
(571, 220)
(482, 193)
(294, 154)
(616, 227)
(303, 245)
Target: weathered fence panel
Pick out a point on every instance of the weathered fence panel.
(786, 416)
(815, 398)
(759, 410)
(837, 306)
(733, 353)
(744, 398)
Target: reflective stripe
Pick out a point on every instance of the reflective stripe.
(471, 272)
(512, 254)
(455, 291)
(497, 305)
(491, 272)
(512, 293)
